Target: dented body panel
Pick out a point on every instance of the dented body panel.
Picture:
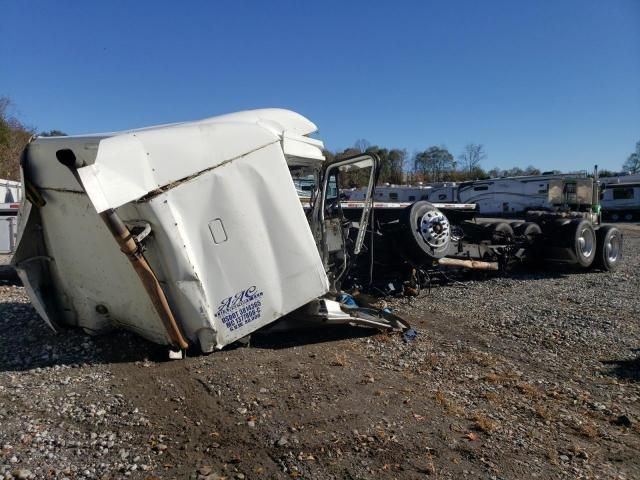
(229, 242)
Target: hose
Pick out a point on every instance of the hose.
(132, 250)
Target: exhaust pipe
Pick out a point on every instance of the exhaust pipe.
(471, 264)
(130, 248)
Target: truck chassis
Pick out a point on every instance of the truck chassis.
(409, 245)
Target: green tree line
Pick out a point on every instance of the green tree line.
(14, 136)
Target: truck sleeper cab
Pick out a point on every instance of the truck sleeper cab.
(216, 243)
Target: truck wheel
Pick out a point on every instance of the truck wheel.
(581, 240)
(427, 232)
(609, 248)
(530, 231)
(553, 227)
(500, 233)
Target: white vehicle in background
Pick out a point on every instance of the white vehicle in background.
(393, 193)
(621, 201)
(510, 195)
(10, 197)
(444, 192)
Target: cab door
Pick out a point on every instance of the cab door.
(340, 240)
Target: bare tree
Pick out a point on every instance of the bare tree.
(495, 172)
(361, 145)
(632, 164)
(514, 172)
(472, 156)
(397, 159)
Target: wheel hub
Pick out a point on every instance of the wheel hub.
(586, 242)
(434, 229)
(612, 248)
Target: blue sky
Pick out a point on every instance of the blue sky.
(555, 84)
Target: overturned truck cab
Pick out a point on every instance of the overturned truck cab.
(187, 234)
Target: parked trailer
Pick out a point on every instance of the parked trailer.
(10, 195)
(621, 201)
(508, 196)
(511, 195)
(189, 234)
(8, 227)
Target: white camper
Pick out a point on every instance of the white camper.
(393, 193)
(509, 195)
(621, 201)
(10, 196)
(187, 234)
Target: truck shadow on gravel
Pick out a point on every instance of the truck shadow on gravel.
(310, 336)
(28, 344)
(625, 369)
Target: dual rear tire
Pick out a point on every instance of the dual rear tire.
(576, 241)
(609, 248)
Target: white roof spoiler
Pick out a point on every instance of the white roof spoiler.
(130, 165)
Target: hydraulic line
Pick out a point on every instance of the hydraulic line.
(132, 250)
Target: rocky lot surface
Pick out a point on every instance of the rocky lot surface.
(535, 375)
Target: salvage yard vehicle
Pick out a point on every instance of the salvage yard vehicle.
(188, 234)
(426, 237)
(193, 235)
(621, 201)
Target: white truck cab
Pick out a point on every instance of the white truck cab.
(187, 234)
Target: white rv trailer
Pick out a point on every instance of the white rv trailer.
(443, 192)
(634, 178)
(621, 201)
(10, 196)
(496, 196)
(510, 195)
(394, 193)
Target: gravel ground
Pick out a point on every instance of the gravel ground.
(536, 375)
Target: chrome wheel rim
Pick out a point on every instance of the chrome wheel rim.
(435, 229)
(586, 242)
(612, 247)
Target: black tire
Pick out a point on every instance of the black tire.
(530, 231)
(500, 233)
(552, 227)
(581, 241)
(609, 248)
(414, 245)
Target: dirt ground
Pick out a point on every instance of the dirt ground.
(534, 375)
